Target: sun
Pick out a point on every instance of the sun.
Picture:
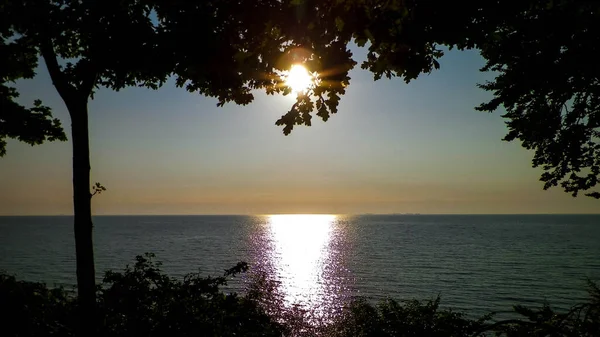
(298, 79)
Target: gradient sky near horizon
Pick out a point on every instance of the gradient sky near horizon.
(392, 148)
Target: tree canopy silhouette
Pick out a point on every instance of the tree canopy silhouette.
(545, 56)
(32, 125)
(543, 53)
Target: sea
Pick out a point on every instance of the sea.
(475, 263)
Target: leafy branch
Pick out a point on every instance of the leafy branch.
(97, 189)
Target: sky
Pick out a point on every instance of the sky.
(392, 148)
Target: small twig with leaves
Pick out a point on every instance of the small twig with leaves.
(97, 189)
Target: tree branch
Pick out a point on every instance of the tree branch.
(89, 79)
(97, 188)
(90, 74)
(59, 80)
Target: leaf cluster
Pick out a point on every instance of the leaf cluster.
(545, 55)
(18, 59)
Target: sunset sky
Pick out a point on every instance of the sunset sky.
(392, 148)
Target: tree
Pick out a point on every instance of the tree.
(84, 44)
(548, 80)
(546, 73)
(543, 52)
(118, 43)
(227, 48)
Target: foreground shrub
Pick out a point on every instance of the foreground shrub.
(581, 321)
(142, 301)
(32, 309)
(412, 318)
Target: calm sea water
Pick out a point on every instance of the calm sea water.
(477, 263)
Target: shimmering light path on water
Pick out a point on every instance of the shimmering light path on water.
(476, 263)
(299, 250)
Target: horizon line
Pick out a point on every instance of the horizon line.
(267, 214)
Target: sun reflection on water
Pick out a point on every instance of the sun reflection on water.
(300, 252)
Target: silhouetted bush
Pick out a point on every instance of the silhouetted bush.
(33, 309)
(412, 318)
(142, 301)
(582, 320)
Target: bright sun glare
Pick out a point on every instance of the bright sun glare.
(298, 79)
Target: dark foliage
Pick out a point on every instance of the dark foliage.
(545, 55)
(583, 320)
(547, 79)
(413, 318)
(32, 125)
(140, 301)
(143, 301)
(18, 60)
(547, 74)
(33, 309)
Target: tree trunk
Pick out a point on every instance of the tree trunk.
(84, 249)
(76, 99)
